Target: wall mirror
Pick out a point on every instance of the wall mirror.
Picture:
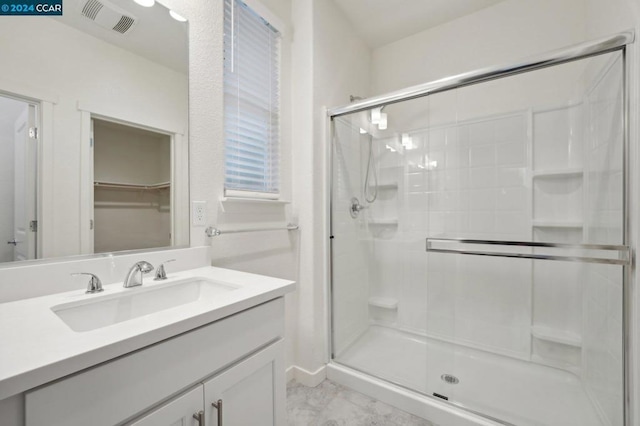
(93, 130)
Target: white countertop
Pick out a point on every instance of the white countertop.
(36, 346)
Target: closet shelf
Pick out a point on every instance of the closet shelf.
(132, 186)
(384, 302)
(556, 224)
(556, 336)
(558, 173)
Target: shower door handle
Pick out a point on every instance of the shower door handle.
(601, 253)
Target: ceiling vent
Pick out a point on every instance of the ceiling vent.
(108, 16)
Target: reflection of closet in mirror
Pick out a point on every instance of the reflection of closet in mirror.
(132, 187)
(18, 158)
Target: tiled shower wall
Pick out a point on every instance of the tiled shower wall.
(462, 179)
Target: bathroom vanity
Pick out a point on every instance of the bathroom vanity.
(204, 347)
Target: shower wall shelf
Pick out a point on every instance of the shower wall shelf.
(392, 185)
(384, 302)
(557, 224)
(556, 364)
(558, 173)
(132, 186)
(556, 336)
(383, 222)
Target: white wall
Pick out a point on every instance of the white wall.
(340, 63)
(103, 79)
(508, 31)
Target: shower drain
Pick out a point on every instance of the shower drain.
(451, 379)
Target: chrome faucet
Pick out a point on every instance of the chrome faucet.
(134, 276)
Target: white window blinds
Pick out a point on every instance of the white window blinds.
(251, 101)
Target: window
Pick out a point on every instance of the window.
(251, 103)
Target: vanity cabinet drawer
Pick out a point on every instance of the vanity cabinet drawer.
(118, 390)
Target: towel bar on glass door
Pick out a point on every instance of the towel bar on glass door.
(621, 251)
(214, 232)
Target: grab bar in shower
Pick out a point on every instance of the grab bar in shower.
(214, 232)
(434, 245)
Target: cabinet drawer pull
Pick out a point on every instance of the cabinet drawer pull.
(218, 406)
(199, 416)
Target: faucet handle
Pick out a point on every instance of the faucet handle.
(161, 274)
(94, 285)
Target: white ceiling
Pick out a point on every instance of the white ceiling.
(380, 22)
(156, 36)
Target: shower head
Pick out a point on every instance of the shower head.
(379, 118)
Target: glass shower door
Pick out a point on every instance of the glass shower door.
(525, 269)
(515, 310)
(378, 259)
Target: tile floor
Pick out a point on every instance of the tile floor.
(330, 404)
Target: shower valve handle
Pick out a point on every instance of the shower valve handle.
(356, 207)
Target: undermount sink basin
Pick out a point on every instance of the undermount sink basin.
(136, 302)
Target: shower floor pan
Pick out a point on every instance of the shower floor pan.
(514, 391)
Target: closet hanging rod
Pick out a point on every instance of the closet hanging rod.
(214, 232)
(621, 250)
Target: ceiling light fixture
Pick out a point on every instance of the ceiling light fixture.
(177, 17)
(145, 3)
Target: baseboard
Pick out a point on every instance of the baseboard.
(307, 378)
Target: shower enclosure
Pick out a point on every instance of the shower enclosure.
(479, 240)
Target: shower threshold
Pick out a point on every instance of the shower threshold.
(514, 391)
